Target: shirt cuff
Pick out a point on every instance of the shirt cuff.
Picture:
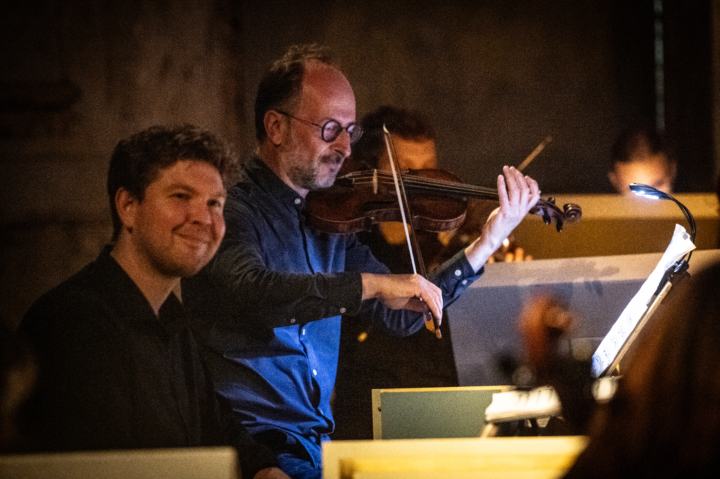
(455, 276)
(344, 293)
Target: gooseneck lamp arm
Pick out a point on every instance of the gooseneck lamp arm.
(647, 191)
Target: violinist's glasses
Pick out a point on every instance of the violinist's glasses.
(331, 129)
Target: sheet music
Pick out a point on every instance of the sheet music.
(515, 405)
(539, 402)
(680, 245)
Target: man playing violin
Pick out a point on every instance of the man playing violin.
(272, 298)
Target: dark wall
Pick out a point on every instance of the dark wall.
(689, 91)
(496, 77)
(75, 77)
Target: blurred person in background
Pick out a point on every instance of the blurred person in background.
(18, 374)
(640, 155)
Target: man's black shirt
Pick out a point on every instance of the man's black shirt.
(115, 376)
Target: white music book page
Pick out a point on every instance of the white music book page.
(539, 402)
(680, 245)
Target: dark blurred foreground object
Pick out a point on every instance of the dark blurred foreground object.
(664, 420)
(18, 374)
(543, 322)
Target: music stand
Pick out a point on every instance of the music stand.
(672, 275)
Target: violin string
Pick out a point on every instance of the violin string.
(433, 185)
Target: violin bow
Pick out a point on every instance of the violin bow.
(431, 322)
(534, 153)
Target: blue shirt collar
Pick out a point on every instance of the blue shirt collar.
(266, 179)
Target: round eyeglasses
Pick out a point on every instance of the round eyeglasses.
(331, 129)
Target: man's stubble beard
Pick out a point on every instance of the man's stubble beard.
(303, 169)
(305, 174)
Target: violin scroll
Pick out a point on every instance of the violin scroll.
(573, 212)
(570, 213)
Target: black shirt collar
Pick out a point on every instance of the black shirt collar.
(129, 298)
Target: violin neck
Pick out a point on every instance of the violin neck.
(450, 188)
(428, 185)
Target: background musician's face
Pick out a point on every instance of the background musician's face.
(411, 154)
(653, 170)
(310, 162)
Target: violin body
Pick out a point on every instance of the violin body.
(358, 201)
(438, 201)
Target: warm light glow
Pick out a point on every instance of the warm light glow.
(647, 191)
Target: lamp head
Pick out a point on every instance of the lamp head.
(647, 191)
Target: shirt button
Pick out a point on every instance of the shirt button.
(458, 272)
(303, 331)
(292, 321)
(463, 281)
(298, 201)
(342, 310)
(314, 372)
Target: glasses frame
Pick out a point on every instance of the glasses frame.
(351, 128)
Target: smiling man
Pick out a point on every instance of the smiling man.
(272, 298)
(119, 367)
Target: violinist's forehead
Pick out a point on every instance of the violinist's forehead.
(326, 94)
(654, 170)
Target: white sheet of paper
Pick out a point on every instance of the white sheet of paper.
(680, 245)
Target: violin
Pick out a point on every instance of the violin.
(438, 201)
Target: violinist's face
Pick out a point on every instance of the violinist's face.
(653, 170)
(411, 154)
(310, 162)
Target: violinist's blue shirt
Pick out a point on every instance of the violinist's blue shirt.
(269, 308)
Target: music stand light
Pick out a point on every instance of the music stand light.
(672, 275)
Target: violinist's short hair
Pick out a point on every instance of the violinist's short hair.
(638, 141)
(281, 85)
(406, 123)
(138, 160)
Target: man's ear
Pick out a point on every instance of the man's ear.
(274, 127)
(126, 206)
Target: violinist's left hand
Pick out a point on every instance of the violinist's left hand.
(517, 195)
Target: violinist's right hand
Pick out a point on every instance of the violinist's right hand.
(402, 291)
